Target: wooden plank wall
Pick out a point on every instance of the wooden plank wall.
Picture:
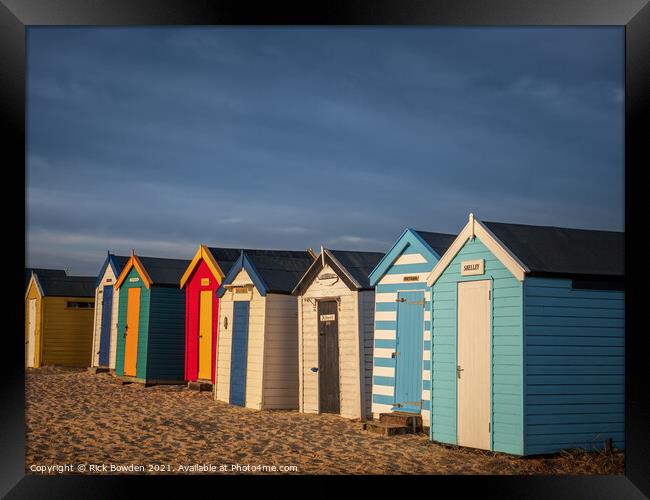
(280, 377)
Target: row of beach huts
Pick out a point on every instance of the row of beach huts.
(503, 337)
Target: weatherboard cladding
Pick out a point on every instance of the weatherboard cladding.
(161, 330)
(557, 250)
(574, 367)
(506, 350)
(557, 371)
(415, 258)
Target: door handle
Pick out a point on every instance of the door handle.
(458, 370)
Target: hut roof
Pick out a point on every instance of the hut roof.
(563, 251)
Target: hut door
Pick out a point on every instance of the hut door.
(131, 332)
(408, 351)
(205, 335)
(239, 353)
(31, 340)
(328, 357)
(473, 367)
(105, 333)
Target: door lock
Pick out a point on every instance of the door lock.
(394, 354)
(458, 370)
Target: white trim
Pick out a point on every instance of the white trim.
(427, 335)
(500, 251)
(382, 390)
(426, 375)
(34, 278)
(384, 371)
(426, 394)
(427, 315)
(426, 355)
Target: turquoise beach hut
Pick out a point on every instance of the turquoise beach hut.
(528, 339)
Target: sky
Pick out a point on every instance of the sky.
(159, 139)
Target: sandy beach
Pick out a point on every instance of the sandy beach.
(75, 417)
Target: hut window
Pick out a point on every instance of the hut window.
(588, 284)
(80, 305)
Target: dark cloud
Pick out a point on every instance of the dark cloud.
(161, 138)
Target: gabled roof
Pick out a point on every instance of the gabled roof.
(154, 270)
(219, 260)
(561, 250)
(117, 263)
(353, 267)
(433, 243)
(543, 250)
(272, 271)
(41, 271)
(58, 285)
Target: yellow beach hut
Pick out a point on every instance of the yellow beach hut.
(59, 311)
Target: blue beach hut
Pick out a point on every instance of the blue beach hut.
(528, 339)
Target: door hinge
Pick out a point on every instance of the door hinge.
(401, 299)
(394, 354)
(489, 427)
(489, 294)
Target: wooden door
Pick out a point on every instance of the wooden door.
(105, 330)
(205, 335)
(131, 332)
(409, 346)
(473, 367)
(239, 353)
(328, 357)
(31, 339)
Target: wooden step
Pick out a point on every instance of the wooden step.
(411, 420)
(199, 386)
(385, 429)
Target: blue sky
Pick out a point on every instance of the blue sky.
(159, 139)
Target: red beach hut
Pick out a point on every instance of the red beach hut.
(201, 281)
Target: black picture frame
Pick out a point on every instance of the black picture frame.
(634, 15)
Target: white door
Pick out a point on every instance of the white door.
(31, 340)
(473, 368)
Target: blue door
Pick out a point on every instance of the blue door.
(408, 363)
(105, 333)
(239, 353)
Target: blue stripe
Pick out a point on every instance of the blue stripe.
(384, 344)
(386, 306)
(385, 325)
(392, 288)
(426, 365)
(381, 399)
(388, 381)
(384, 362)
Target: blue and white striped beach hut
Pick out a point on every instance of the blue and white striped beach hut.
(401, 358)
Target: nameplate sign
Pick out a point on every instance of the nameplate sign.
(411, 278)
(472, 267)
(327, 317)
(205, 281)
(133, 280)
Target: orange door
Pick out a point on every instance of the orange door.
(131, 332)
(205, 335)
